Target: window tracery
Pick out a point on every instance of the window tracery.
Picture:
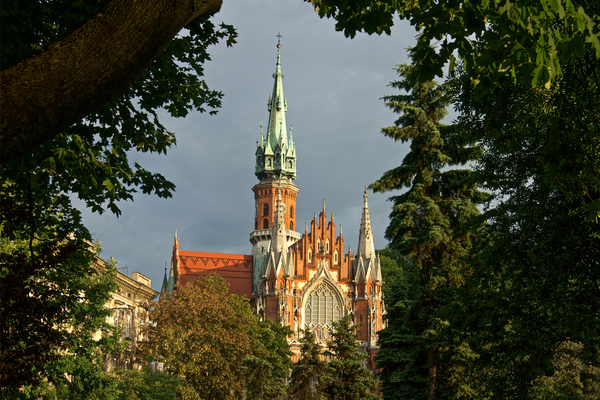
(321, 309)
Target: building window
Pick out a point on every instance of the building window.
(327, 246)
(292, 225)
(266, 210)
(335, 258)
(291, 211)
(318, 245)
(265, 224)
(321, 309)
(309, 255)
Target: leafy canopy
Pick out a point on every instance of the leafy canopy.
(528, 41)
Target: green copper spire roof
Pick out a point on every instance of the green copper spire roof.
(276, 153)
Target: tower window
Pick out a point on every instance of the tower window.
(292, 225)
(309, 255)
(266, 210)
(290, 165)
(265, 224)
(327, 246)
(291, 211)
(335, 258)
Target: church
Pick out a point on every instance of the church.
(304, 280)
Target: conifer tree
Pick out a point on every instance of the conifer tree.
(304, 381)
(348, 378)
(430, 224)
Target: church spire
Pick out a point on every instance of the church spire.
(277, 156)
(366, 247)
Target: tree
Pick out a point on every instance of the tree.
(393, 265)
(53, 323)
(203, 336)
(146, 384)
(268, 366)
(536, 275)
(430, 223)
(88, 159)
(310, 369)
(573, 378)
(348, 378)
(402, 364)
(42, 96)
(528, 41)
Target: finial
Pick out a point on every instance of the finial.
(278, 40)
(323, 206)
(305, 227)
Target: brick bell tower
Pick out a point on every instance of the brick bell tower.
(275, 169)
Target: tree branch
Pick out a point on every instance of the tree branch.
(44, 95)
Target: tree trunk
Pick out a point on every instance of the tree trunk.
(432, 379)
(44, 95)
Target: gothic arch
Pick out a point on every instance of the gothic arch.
(322, 303)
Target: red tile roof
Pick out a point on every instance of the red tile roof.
(236, 269)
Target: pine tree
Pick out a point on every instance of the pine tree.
(348, 378)
(430, 224)
(304, 381)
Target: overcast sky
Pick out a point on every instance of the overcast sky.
(333, 87)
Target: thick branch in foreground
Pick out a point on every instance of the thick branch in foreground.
(44, 95)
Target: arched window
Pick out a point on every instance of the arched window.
(265, 223)
(335, 258)
(309, 255)
(318, 245)
(291, 211)
(321, 309)
(326, 245)
(290, 165)
(266, 210)
(292, 225)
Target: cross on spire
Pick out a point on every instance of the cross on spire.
(278, 40)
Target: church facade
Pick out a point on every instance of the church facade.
(304, 280)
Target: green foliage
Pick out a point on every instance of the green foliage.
(270, 362)
(304, 380)
(535, 280)
(524, 40)
(393, 265)
(402, 364)
(573, 379)
(90, 160)
(45, 263)
(346, 377)
(52, 322)
(431, 224)
(79, 376)
(146, 385)
(211, 341)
